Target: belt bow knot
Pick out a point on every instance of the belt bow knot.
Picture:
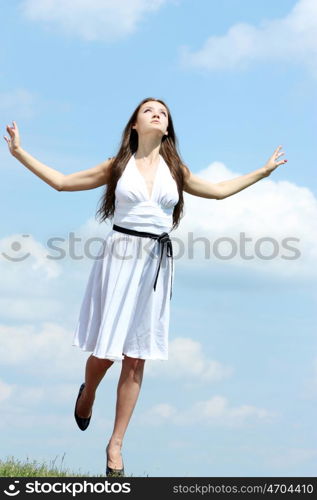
(163, 239)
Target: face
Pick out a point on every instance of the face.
(152, 118)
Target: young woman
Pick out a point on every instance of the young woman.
(124, 315)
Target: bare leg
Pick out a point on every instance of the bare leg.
(95, 371)
(129, 386)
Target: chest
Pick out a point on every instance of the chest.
(148, 175)
(151, 188)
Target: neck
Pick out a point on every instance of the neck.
(148, 151)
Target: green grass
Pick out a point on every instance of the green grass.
(11, 467)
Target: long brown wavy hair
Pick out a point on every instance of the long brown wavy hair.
(129, 145)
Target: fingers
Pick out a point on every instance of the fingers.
(8, 141)
(280, 162)
(277, 153)
(10, 131)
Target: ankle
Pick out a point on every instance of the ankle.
(89, 393)
(115, 441)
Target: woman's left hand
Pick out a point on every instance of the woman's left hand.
(272, 162)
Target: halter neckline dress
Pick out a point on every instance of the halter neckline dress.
(121, 314)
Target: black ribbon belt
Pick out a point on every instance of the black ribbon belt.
(162, 238)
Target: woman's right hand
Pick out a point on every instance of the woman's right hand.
(14, 140)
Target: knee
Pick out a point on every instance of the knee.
(102, 363)
(134, 365)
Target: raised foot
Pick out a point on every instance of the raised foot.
(84, 405)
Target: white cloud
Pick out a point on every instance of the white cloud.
(26, 279)
(91, 19)
(93, 229)
(25, 261)
(29, 308)
(187, 361)
(22, 253)
(291, 39)
(43, 349)
(43, 406)
(270, 209)
(215, 411)
(36, 347)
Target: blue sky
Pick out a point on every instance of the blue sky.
(237, 396)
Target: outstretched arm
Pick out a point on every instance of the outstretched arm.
(78, 181)
(199, 187)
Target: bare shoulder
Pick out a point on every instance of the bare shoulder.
(101, 173)
(187, 176)
(107, 164)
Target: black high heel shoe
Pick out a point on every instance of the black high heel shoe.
(81, 422)
(114, 472)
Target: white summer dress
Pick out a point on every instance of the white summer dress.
(121, 313)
